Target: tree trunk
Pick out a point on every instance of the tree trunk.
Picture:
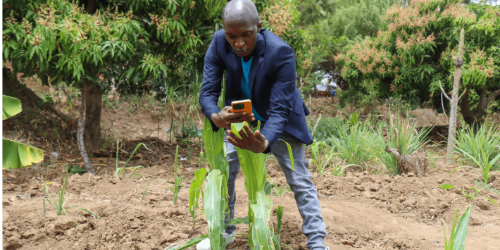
(93, 107)
(476, 119)
(79, 137)
(454, 99)
(91, 6)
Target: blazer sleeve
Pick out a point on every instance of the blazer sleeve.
(282, 95)
(211, 85)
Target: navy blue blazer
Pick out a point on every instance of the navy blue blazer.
(274, 94)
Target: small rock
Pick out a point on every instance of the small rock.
(303, 246)
(11, 244)
(375, 187)
(12, 198)
(64, 223)
(71, 232)
(28, 234)
(5, 215)
(6, 202)
(432, 212)
(411, 175)
(484, 205)
(443, 205)
(9, 187)
(440, 181)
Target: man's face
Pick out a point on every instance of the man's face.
(242, 36)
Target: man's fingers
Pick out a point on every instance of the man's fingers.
(230, 139)
(259, 136)
(248, 131)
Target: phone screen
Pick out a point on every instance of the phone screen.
(239, 106)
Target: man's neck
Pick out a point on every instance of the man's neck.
(247, 58)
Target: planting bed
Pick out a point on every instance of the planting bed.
(363, 210)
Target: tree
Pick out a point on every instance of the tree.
(130, 41)
(417, 52)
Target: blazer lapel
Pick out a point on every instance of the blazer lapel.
(260, 48)
(233, 86)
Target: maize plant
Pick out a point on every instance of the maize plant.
(457, 237)
(195, 191)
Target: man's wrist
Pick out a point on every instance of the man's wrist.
(215, 118)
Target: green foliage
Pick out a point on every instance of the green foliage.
(321, 156)
(403, 135)
(458, 235)
(356, 144)
(261, 232)
(120, 171)
(475, 140)
(482, 160)
(58, 205)
(418, 50)
(214, 204)
(327, 126)
(214, 148)
(15, 154)
(194, 192)
(178, 179)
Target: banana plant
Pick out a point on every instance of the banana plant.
(15, 154)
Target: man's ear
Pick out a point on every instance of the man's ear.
(259, 26)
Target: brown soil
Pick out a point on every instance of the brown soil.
(364, 210)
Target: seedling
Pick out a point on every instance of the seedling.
(319, 149)
(58, 205)
(279, 190)
(457, 237)
(178, 179)
(120, 171)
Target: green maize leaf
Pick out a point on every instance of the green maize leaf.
(11, 106)
(279, 214)
(261, 234)
(194, 192)
(268, 187)
(461, 231)
(253, 166)
(215, 204)
(237, 221)
(18, 155)
(189, 243)
(214, 148)
(447, 186)
(493, 202)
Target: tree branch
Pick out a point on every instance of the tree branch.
(493, 96)
(444, 93)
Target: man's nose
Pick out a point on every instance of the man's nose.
(239, 43)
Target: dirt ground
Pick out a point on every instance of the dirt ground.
(364, 210)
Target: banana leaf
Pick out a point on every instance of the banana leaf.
(11, 106)
(18, 155)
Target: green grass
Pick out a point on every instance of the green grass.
(403, 135)
(470, 145)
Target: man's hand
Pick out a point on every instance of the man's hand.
(256, 143)
(224, 118)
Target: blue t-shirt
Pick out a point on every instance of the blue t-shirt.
(244, 85)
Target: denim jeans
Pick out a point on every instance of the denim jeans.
(299, 180)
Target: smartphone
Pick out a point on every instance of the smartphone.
(242, 106)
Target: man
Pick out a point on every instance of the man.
(260, 66)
